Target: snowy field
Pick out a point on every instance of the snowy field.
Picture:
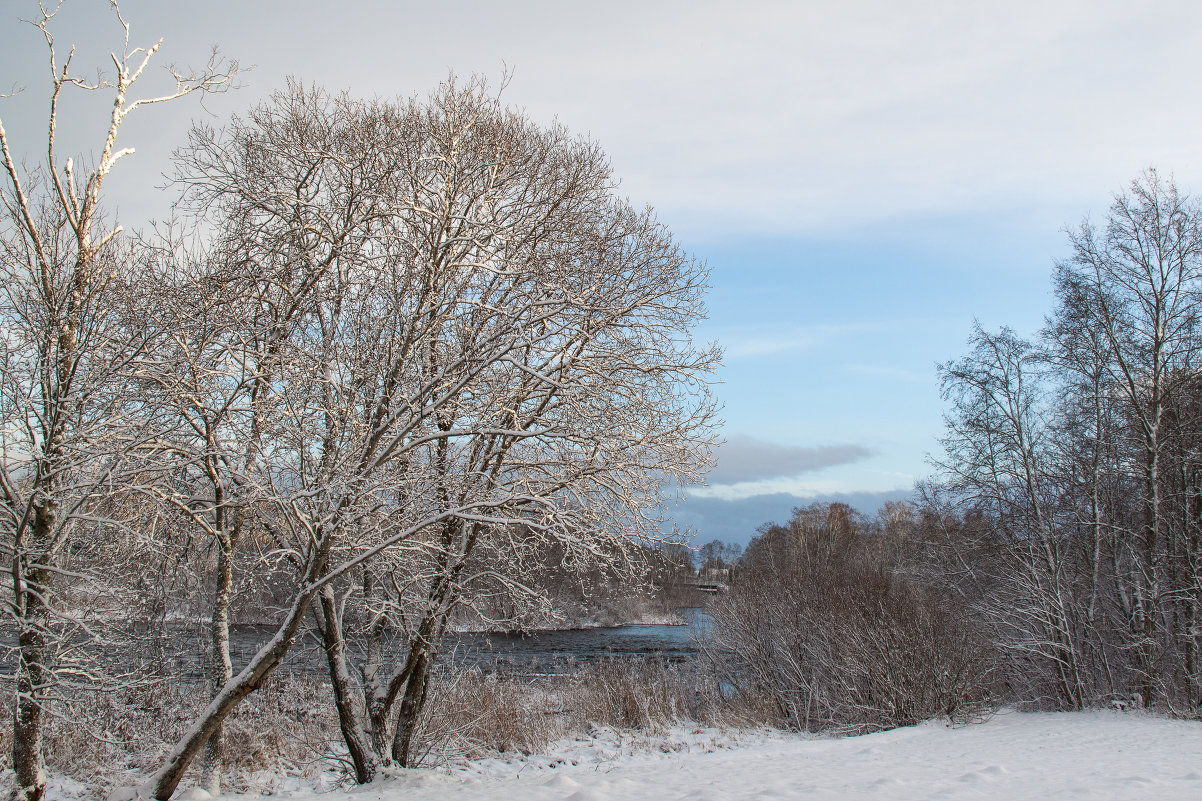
(1014, 756)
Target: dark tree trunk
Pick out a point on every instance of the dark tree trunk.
(34, 676)
(412, 704)
(350, 716)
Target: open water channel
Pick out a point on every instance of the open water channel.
(182, 649)
(536, 653)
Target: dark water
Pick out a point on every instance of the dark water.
(181, 650)
(564, 651)
(546, 652)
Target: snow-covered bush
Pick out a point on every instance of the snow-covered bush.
(471, 714)
(833, 639)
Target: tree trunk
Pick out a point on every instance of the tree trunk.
(350, 716)
(378, 696)
(35, 673)
(1148, 577)
(412, 704)
(34, 676)
(213, 763)
(165, 780)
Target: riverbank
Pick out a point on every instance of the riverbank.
(1118, 756)
(287, 733)
(586, 623)
(592, 619)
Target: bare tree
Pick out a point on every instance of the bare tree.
(489, 348)
(1142, 277)
(67, 427)
(291, 216)
(1073, 466)
(593, 421)
(1001, 458)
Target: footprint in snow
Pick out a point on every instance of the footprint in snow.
(986, 774)
(584, 794)
(559, 781)
(1137, 781)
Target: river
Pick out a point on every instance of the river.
(181, 650)
(535, 653)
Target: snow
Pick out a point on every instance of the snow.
(1111, 755)
(1092, 755)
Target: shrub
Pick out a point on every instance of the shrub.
(835, 644)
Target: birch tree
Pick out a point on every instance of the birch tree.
(1087, 488)
(1143, 271)
(68, 425)
(1001, 458)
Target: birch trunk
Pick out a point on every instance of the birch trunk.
(213, 763)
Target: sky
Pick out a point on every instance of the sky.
(863, 179)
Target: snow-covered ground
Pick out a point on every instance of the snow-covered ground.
(1014, 756)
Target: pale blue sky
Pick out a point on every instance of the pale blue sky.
(864, 178)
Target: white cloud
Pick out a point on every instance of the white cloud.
(751, 346)
(806, 488)
(746, 343)
(798, 488)
(798, 116)
(756, 116)
(895, 373)
(744, 459)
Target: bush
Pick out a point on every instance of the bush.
(834, 644)
(471, 714)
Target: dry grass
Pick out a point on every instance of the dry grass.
(471, 715)
(289, 728)
(102, 739)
